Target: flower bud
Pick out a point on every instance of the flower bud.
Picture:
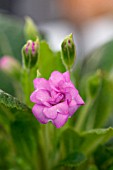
(30, 29)
(68, 52)
(9, 65)
(30, 53)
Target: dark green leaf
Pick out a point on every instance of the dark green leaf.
(22, 128)
(104, 156)
(11, 102)
(73, 160)
(70, 141)
(104, 103)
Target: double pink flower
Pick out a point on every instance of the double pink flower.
(55, 99)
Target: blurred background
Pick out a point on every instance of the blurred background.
(91, 21)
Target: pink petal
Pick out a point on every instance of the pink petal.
(66, 76)
(38, 113)
(68, 97)
(55, 78)
(79, 100)
(73, 106)
(60, 120)
(52, 112)
(40, 97)
(41, 83)
(72, 91)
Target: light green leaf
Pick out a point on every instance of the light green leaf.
(48, 61)
(84, 142)
(93, 138)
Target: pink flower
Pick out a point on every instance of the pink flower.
(9, 64)
(55, 99)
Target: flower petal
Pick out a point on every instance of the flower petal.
(79, 100)
(66, 76)
(38, 113)
(72, 91)
(41, 83)
(60, 120)
(73, 106)
(52, 112)
(40, 97)
(55, 78)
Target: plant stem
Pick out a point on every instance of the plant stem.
(83, 114)
(26, 85)
(46, 145)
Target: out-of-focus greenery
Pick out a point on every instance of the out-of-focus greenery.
(11, 36)
(11, 41)
(85, 142)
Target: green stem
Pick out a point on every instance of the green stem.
(83, 115)
(26, 84)
(46, 145)
(42, 148)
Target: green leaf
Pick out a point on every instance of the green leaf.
(93, 138)
(100, 58)
(11, 36)
(104, 156)
(92, 167)
(73, 160)
(22, 128)
(11, 102)
(70, 141)
(85, 142)
(100, 109)
(6, 84)
(111, 168)
(48, 61)
(104, 105)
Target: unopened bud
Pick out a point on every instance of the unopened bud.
(68, 51)
(30, 53)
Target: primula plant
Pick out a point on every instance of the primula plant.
(54, 113)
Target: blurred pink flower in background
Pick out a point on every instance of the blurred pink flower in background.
(55, 99)
(9, 64)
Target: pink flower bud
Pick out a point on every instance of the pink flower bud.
(30, 53)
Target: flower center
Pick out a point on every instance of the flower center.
(58, 98)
